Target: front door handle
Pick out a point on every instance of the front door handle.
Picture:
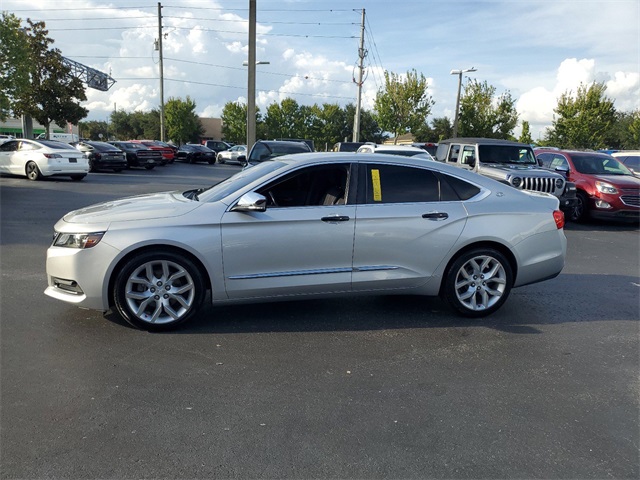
(436, 216)
(335, 218)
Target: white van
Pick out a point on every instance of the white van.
(61, 137)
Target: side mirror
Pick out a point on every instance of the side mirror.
(250, 202)
(564, 171)
(472, 162)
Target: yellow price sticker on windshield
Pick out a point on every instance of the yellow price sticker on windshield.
(377, 189)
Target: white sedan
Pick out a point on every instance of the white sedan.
(312, 224)
(231, 155)
(35, 159)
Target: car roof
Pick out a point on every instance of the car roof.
(572, 152)
(484, 141)
(384, 158)
(626, 153)
(407, 148)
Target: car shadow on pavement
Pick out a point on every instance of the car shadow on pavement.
(569, 298)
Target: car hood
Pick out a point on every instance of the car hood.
(509, 167)
(620, 181)
(142, 207)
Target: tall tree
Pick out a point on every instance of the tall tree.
(525, 136)
(370, 130)
(404, 104)
(14, 64)
(625, 132)
(53, 94)
(584, 120)
(442, 128)
(182, 122)
(286, 119)
(93, 129)
(484, 115)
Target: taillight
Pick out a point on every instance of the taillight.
(558, 216)
(52, 155)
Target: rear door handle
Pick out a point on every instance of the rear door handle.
(335, 218)
(436, 215)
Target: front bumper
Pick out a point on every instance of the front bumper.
(568, 199)
(80, 276)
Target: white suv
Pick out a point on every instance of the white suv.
(403, 150)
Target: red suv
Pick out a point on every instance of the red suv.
(605, 187)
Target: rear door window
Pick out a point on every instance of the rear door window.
(400, 184)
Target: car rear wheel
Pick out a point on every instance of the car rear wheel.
(158, 290)
(478, 282)
(32, 171)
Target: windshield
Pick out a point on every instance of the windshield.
(599, 165)
(238, 181)
(506, 154)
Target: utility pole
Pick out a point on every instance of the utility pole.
(161, 72)
(251, 78)
(361, 54)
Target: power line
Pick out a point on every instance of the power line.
(85, 8)
(200, 29)
(306, 77)
(233, 86)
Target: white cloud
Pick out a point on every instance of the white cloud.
(537, 104)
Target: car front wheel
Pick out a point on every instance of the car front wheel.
(478, 282)
(158, 290)
(580, 211)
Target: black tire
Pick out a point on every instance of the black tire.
(77, 178)
(174, 294)
(117, 170)
(211, 162)
(149, 167)
(478, 282)
(220, 160)
(580, 212)
(32, 171)
(92, 166)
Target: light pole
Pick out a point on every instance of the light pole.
(455, 120)
(251, 102)
(251, 78)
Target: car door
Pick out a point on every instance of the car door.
(7, 161)
(407, 221)
(301, 244)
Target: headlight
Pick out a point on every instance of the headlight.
(559, 182)
(604, 187)
(77, 240)
(516, 182)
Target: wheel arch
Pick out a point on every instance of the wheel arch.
(503, 249)
(156, 249)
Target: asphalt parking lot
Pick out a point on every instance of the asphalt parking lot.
(379, 387)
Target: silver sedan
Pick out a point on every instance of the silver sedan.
(308, 225)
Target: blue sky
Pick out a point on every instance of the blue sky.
(535, 49)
